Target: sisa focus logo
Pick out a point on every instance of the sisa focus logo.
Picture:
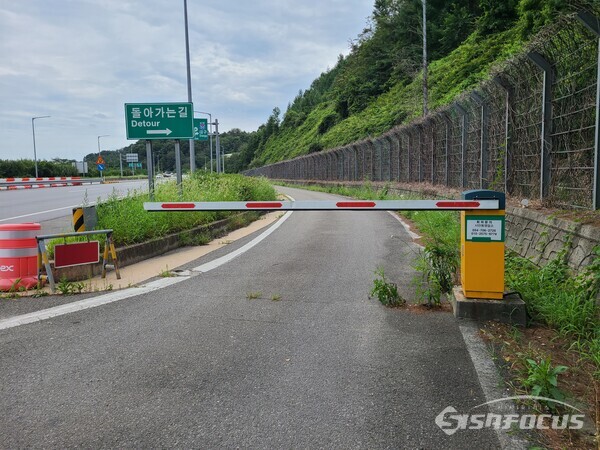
(4, 268)
(450, 420)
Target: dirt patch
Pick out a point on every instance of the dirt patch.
(422, 308)
(513, 345)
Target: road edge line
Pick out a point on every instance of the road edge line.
(489, 378)
(68, 308)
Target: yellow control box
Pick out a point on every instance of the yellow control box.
(482, 248)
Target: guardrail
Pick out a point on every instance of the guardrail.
(35, 183)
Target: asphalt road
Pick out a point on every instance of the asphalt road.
(200, 365)
(53, 206)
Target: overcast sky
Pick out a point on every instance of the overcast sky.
(79, 61)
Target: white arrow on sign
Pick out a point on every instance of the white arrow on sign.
(165, 132)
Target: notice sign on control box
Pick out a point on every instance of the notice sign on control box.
(485, 228)
(159, 120)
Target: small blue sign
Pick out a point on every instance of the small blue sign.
(100, 167)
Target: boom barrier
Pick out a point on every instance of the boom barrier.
(328, 205)
(482, 228)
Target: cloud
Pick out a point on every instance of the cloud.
(80, 61)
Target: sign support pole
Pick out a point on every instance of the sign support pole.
(178, 166)
(150, 166)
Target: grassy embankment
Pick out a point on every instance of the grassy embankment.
(131, 224)
(461, 70)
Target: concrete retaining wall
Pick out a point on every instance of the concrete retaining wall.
(541, 238)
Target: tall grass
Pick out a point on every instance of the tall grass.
(132, 224)
(554, 295)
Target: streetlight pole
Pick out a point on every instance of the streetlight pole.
(34, 150)
(189, 82)
(103, 135)
(209, 136)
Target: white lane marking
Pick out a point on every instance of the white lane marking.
(111, 297)
(56, 209)
(225, 259)
(38, 213)
(68, 308)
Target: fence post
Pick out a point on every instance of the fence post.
(390, 145)
(432, 125)
(379, 147)
(448, 122)
(593, 24)
(355, 148)
(409, 153)
(484, 144)
(372, 148)
(507, 130)
(464, 135)
(421, 151)
(396, 145)
(546, 144)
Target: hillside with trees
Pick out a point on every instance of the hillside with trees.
(163, 151)
(379, 83)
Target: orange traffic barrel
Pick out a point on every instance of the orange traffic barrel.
(18, 255)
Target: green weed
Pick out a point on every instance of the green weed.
(65, 287)
(385, 291)
(78, 287)
(541, 379)
(166, 273)
(439, 261)
(253, 295)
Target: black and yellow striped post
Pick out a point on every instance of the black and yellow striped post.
(110, 251)
(78, 222)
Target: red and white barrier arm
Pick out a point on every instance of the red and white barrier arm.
(33, 179)
(327, 205)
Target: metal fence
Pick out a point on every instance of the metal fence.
(531, 131)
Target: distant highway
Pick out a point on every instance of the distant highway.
(50, 204)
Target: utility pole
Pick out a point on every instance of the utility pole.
(425, 100)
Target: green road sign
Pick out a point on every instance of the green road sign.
(201, 129)
(159, 120)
